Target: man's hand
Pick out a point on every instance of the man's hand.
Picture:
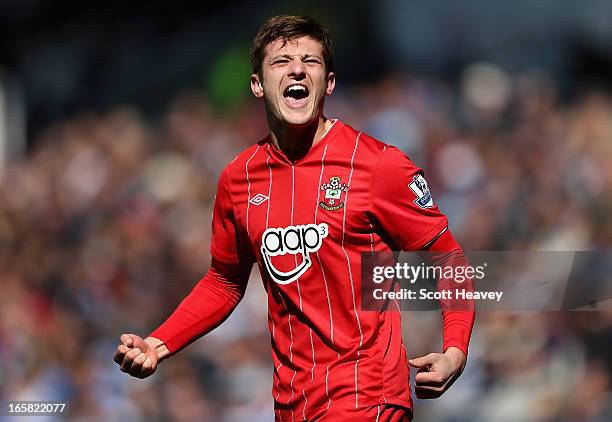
(139, 357)
(437, 372)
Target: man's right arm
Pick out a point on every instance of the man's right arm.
(210, 302)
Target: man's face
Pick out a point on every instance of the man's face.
(295, 81)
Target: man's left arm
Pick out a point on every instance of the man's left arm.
(404, 207)
(438, 371)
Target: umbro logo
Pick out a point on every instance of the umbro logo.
(258, 199)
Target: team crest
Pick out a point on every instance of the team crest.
(334, 189)
(420, 189)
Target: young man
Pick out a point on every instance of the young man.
(304, 203)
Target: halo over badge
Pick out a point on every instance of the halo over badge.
(334, 189)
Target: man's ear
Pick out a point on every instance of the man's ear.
(331, 83)
(256, 86)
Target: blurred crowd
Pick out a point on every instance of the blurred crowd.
(105, 226)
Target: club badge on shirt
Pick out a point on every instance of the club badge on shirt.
(420, 189)
(334, 190)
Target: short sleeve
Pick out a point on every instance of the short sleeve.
(228, 245)
(402, 202)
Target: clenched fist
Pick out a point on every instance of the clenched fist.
(139, 357)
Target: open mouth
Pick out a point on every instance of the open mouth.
(296, 95)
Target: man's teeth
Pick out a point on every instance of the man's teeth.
(296, 92)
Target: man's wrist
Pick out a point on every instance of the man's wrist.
(457, 355)
(159, 346)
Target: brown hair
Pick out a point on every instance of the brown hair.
(289, 28)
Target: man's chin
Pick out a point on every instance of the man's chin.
(299, 119)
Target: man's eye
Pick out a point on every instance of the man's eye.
(280, 61)
(315, 61)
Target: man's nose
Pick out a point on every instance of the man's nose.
(297, 68)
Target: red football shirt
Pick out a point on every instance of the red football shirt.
(306, 225)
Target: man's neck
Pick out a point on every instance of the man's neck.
(295, 142)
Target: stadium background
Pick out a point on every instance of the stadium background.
(116, 119)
